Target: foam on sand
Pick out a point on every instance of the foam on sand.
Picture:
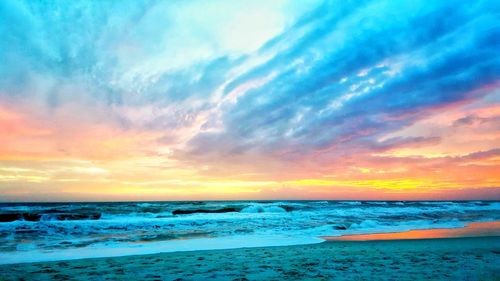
(435, 259)
(120, 249)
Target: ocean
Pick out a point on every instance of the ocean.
(57, 231)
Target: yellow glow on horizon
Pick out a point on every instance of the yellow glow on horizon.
(388, 184)
(107, 162)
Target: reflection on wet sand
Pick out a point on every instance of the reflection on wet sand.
(471, 230)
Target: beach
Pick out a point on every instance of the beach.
(245, 240)
(42, 232)
(249, 140)
(476, 258)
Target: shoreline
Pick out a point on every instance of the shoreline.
(169, 246)
(475, 229)
(470, 258)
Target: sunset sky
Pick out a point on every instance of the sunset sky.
(193, 100)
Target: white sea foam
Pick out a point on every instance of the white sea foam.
(124, 226)
(125, 249)
(263, 209)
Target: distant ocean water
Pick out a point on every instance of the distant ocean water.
(51, 231)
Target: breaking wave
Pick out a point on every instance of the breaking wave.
(50, 227)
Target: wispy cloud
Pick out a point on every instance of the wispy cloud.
(267, 90)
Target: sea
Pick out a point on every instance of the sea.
(31, 232)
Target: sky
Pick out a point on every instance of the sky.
(203, 100)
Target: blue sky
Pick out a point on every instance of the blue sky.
(271, 89)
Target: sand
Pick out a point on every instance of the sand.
(475, 258)
(476, 229)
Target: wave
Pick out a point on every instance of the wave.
(204, 211)
(34, 217)
(82, 225)
(350, 202)
(263, 209)
(252, 209)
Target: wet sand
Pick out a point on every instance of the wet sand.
(476, 258)
(477, 229)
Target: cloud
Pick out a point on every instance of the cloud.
(275, 89)
(384, 68)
